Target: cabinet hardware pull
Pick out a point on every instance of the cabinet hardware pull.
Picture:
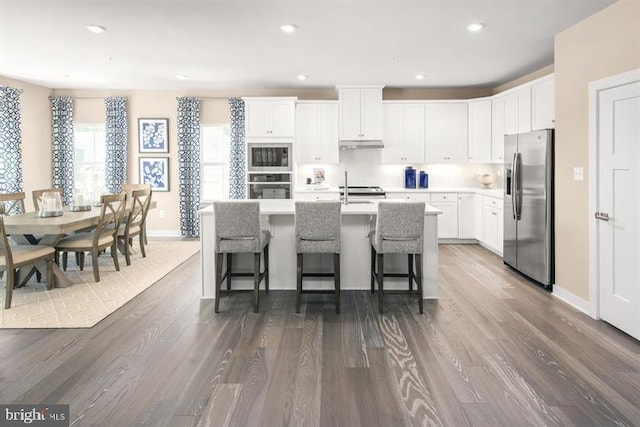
(604, 216)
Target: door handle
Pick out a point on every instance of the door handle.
(602, 215)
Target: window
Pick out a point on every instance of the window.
(214, 157)
(89, 159)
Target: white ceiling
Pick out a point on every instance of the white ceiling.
(239, 45)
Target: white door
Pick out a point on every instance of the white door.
(618, 238)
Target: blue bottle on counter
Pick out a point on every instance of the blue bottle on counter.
(409, 177)
(424, 179)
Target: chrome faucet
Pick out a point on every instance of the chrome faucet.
(346, 189)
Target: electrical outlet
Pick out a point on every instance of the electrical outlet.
(161, 213)
(578, 173)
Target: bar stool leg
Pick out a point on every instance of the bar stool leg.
(336, 272)
(419, 281)
(410, 256)
(373, 268)
(256, 281)
(218, 280)
(380, 281)
(266, 268)
(229, 263)
(299, 282)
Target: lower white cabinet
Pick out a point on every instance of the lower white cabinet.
(466, 216)
(318, 195)
(492, 220)
(478, 209)
(405, 195)
(448, 221)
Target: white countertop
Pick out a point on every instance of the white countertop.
(492, 192)
(287, 207)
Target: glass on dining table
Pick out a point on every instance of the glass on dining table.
(51, 204)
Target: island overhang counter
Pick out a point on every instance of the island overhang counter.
(358, 219)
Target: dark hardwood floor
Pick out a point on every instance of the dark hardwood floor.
(494, 350)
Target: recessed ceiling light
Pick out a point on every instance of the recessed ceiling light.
(96, 29)
(182, 77)
(288, 28)
(474, 27)
(302, 77)
(419, 76)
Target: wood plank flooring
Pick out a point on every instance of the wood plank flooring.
(494, 350)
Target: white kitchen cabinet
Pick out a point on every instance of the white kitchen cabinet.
(360, 111)
(409, 195)
(497, 129)
(316, 195)
(404, 133)
(267, 118)
(510, 114)
(317, 132)
(493, 224)
(478, 209)
(446, 132)
(480, 131)
(466, 216)
(448, 221)
(543, 103)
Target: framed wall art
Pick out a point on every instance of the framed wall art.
(154, 171)
(153, 135)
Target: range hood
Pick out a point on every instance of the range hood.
(347, 145)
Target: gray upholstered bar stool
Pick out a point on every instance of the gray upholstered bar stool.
(317, 228)
(238, 230)
(399, 230)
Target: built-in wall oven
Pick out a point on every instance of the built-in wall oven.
(270, 170)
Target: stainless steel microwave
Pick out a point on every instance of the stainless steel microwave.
(267, 157)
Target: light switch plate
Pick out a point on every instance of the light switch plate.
(578, 173)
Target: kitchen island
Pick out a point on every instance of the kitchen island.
(358, 219)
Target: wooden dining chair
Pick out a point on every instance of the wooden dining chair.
(14, 257)
(102, 237)
(129, 188)
(134, 224)
(36, 195)
(12, 203)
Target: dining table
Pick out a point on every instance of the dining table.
(23, 227)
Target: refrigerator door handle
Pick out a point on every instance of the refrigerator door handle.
(513, 185)
(517, 194)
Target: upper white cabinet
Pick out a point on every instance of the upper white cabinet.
(360, 110)
(543, 103)
(446, 132)
(317, 132)
(269, 118)
(497, 129)
(480, 131)
(511, 114)
(404, 133)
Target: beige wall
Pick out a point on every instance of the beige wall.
(35, 123)
(602, 45)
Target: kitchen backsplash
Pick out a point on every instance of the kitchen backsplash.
(364, 167)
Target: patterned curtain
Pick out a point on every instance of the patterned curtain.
(237, 160)
(62, 145)
(10, 140)
(116, 143)
(189, 165)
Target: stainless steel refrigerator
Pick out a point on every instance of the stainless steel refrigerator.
(528, 205)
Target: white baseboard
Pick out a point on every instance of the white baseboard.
(163, 233)
(572, 299)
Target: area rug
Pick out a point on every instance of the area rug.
(86, 302)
